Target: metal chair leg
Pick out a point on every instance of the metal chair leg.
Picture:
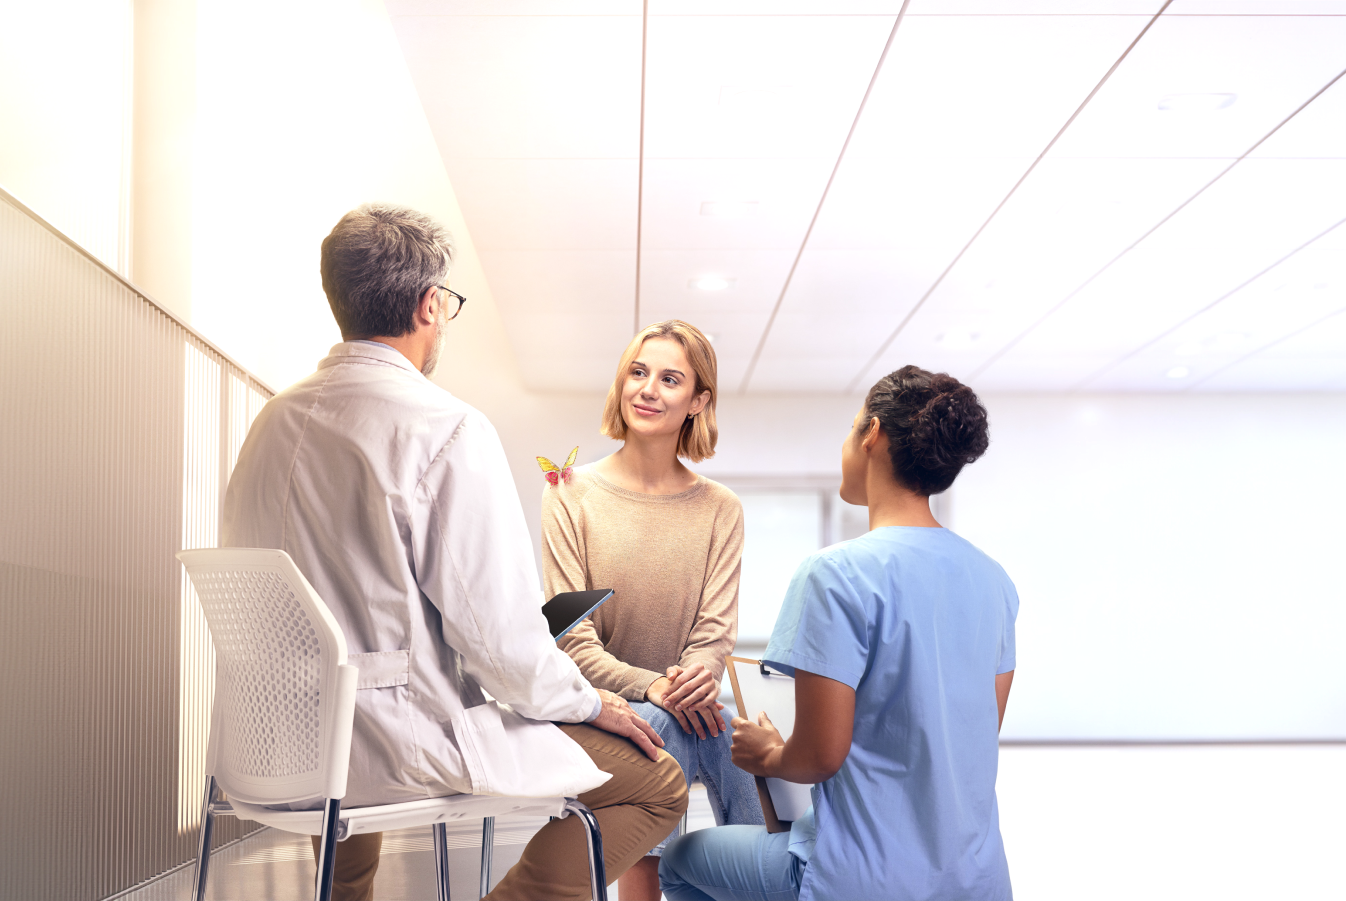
(598, 873)
(331, 821)
(441, 834)
(487, 851)
(203, 844)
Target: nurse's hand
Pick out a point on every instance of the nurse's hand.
(757, 747)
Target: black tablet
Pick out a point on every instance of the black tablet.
(569, 608)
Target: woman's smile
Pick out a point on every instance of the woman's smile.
(645, 410)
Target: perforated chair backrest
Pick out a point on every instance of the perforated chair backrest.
(284, 696)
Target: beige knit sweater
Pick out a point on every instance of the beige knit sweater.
(673, 562)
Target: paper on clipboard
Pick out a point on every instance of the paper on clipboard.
(757, 689)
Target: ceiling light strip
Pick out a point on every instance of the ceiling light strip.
(771, 321)
(1134, 244)
(1252, 353)
(640, 164)
(1210, 306)
(883, 348)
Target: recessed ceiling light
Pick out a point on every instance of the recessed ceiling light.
(729, 209)
(1196, 103)
(957, 339)
(711, 283)
(1178, 372)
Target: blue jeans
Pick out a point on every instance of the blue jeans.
(731, 863)
(732, 792)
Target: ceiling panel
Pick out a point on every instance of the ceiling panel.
(1308, 361)
(527, 86)
(513, 8)
(1259, 213)
(1282, 302)
(776, 198)
(759, 87)
(548, 204)
(596, 282)
(662, 8)
(1258, 7)
(1318, 131)
(1065, 223)
(907, 188)
(961, 87)
(925, 209)
(1270, 64)
(1033, 7)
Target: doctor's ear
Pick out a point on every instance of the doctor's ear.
(428, 308)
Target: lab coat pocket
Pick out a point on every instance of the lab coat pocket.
(511, 756)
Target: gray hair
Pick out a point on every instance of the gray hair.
(376, 264)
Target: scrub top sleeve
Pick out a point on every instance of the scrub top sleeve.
(823, 627)
(1007, 650)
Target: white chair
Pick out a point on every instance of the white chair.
(281, 725)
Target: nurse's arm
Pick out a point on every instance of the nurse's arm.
(824, 719)
(1002, 687)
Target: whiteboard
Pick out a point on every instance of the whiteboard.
(756, 690)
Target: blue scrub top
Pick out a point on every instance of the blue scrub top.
(919, 622)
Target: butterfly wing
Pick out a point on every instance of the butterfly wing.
(570, 461)
(547, 465)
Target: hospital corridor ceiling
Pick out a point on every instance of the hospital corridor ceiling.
(1035, 195)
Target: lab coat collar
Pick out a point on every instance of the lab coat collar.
(367, 352)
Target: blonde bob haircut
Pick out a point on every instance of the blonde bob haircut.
(699, 433)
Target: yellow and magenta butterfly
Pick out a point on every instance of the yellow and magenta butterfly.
(555, 474)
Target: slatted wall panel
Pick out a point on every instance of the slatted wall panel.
(118, 427)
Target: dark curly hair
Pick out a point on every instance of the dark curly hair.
(935, 426)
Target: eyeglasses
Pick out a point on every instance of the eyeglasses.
(461, 300)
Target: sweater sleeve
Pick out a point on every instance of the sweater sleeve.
(715, 629)
(564, 569)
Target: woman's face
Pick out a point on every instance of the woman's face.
(854, 462)
(660, 390)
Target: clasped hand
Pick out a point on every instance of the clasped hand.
(690, 695)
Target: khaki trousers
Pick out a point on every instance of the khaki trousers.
(357, 858)
(636, 809)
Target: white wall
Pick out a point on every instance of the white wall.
(1177, 560)
(65, 87)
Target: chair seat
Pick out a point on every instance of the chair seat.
(385, 817)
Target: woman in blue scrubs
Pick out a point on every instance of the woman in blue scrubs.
(901, 643)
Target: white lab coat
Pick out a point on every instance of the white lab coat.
(395, 500)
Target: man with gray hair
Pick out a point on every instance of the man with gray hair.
(395, 501)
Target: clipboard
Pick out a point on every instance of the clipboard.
(756, 688)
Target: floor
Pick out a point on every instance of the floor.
(1232, 822)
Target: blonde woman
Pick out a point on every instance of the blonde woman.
(668, 541)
